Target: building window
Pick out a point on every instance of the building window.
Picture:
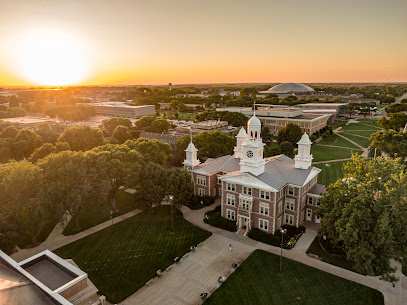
(289, 219)
(265, 195)
(264, 208)
(247, 190)
(290, 204)
(201, 180)
(244, 204)
(290, 190)
(263, 224)
(231, 187)
(230, 214)
(230, 199)
(201, 192)
(310, 200)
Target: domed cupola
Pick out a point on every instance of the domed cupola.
(254, 128)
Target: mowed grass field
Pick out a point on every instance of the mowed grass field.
(325, 153)
(357, 126)
(336, 140)
(122, 258)
(332, 173)
(362, 141)
(257, 281)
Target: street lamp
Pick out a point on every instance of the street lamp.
(327, 174)
(172, 218)
(283, 231)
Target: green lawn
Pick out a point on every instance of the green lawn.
(324, 153)
(356, 126)
(369, 122)
(364, 142)
(332, 173)
(257, 281)
(336, 140)
(363, 133)
(122, 258)
(90, 217)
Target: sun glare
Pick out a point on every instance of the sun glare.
(49, 58)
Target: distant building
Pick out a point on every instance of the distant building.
(44, 278)
(334, 109)
(198, 127)
(276, 118)
(165, 138)
(122, 110)
(258, 192)
(33, 123)
(286, 90)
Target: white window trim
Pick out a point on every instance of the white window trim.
(265, 207)
(231, 197)
(231, 213)
(264, 224)
(201, 192)
(201, 180)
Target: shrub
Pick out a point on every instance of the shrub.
(214, 219)
(290, 238)
(313, 138)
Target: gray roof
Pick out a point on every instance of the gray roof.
(290, 87)
(222, 164)
(317, 189)
(279, 170)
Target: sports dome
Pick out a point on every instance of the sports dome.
(290, 88)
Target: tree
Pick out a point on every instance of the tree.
(174, 104)
(9, 132)
(152, 150)
(74, 181)
(25, 143)
(287, 148)
(180, 186)
(47, 135)
(391, 142)
(4, 124)
(144, 121)
(291, 133)
(152, 187)
(180, 146)
(41, 152)
(213, 144)
(120, 135)
(396, 121)
(388, 99)
(272, 149)
(108, 126)
(160, 125)
(121, 165)
(365, 214)
(82, 138)
(22, 191)
(6, 149)
(266, 135)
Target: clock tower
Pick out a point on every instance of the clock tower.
(252, 156)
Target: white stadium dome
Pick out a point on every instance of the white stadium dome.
(290, 88)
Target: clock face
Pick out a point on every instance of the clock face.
(250, 154)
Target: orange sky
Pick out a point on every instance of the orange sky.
(190, 41)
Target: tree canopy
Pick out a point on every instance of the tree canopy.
(290, 133)
(108, 126)
(82, 138)
(391, 142)
(365, 213)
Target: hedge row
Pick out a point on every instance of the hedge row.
(290, 238)
(198, 202)
(214, 219)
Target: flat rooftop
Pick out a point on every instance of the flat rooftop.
(49, 273)
(28, 120)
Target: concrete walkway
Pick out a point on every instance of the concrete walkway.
(365, 150)
(56, 239)
(327, 145)
(198, 272)
(329, 161)
(355, 135)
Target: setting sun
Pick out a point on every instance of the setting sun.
(49, 58)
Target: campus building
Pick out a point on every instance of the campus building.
(258, 192)
(275, 117)
(286, 90)
(121, 110)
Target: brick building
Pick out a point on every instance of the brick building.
(259, 192)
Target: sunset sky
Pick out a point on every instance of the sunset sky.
(96, 42)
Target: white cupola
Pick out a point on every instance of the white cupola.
(252, 159)
(304, 158)
(191, 156)
(241, 137)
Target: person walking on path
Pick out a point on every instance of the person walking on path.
(230, 247)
